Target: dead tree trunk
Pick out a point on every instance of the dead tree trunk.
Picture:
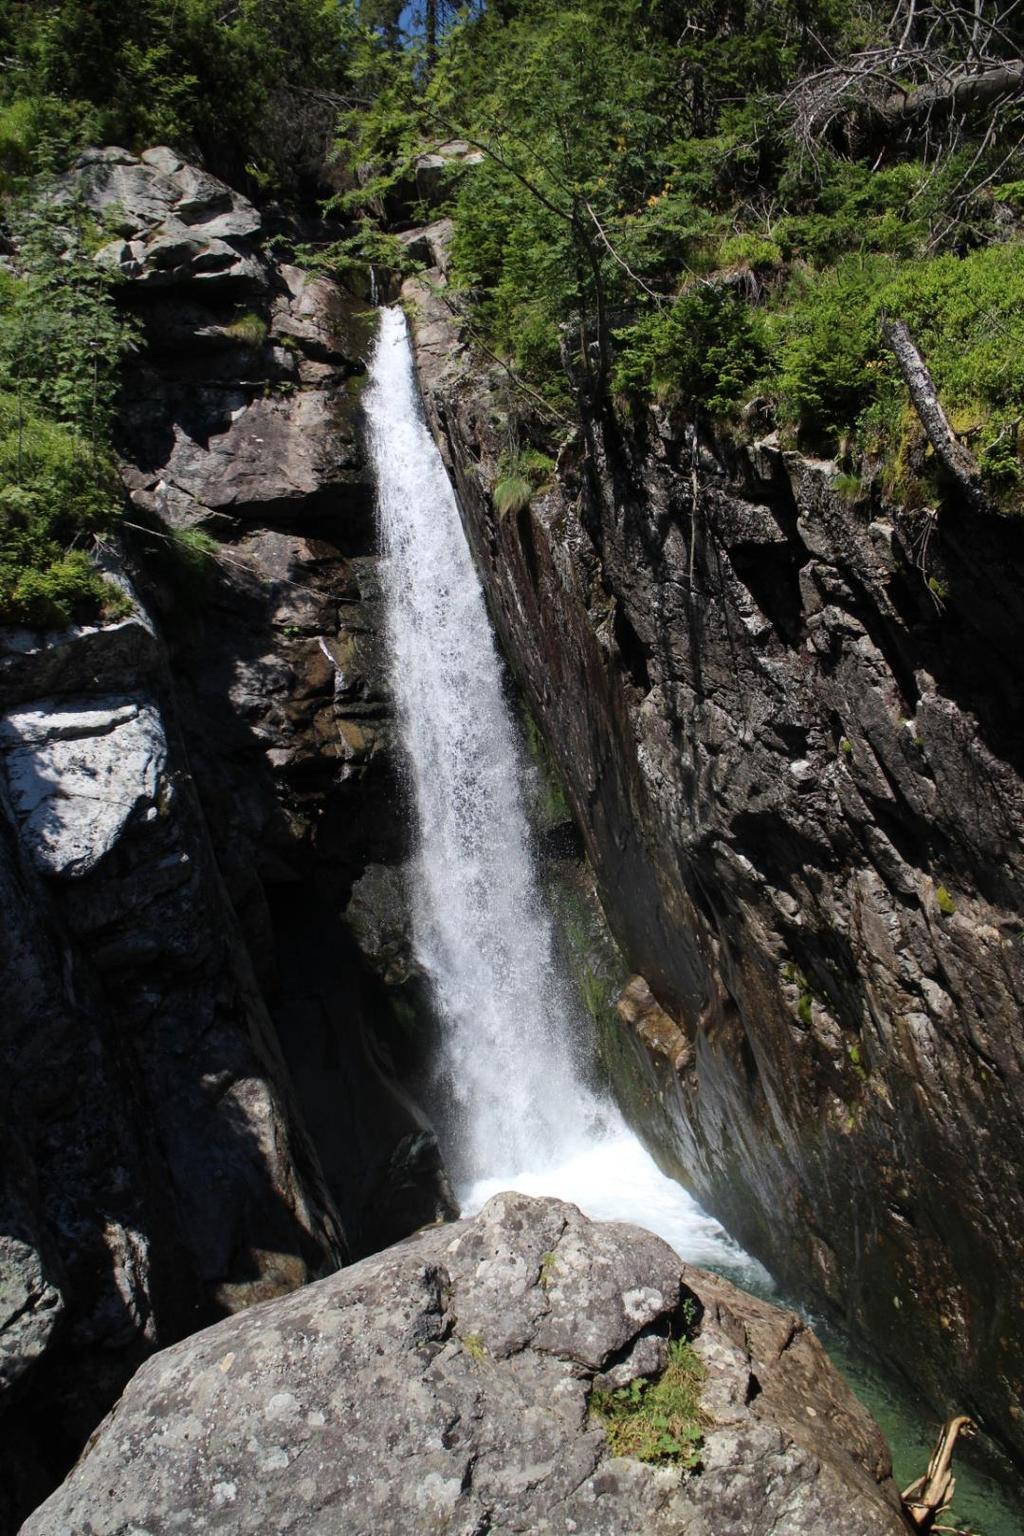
(926, 1498)
(950, 452)
(430, 29)
(960, 94)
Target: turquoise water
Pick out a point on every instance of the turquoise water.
(981, 1504)
(987, 1502)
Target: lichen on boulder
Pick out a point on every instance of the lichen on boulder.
(444, 1384)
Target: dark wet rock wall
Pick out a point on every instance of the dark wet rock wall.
(789, 725)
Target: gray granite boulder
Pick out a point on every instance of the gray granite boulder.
(443, 1386)
(174, 223)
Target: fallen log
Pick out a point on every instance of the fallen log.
(982, 90)
(949, 450)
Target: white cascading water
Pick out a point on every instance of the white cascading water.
(519, 1111)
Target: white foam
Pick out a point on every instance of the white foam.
(616, 1179)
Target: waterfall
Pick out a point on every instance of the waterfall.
(519, 1109)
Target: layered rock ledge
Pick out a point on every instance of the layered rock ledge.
(443, 1385)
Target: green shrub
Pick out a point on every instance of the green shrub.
(61, 344)
(249, 329)
(54, 493)
(242, 85)
(68, 588)
(844, 206)
(1011, 192)
(832, 374)
(659, 1421)
(19, 134)
(749, 250)
(702, 351)
(828, 343)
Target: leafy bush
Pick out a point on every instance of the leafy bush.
(19, 139)
(966, 314)
(749, 250)
(69, 588)
(245, 85)
(61, 344)
(827, 342)
(53, 495)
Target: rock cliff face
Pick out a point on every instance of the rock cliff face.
(444, 1385)
(199, 1105)
(790, 729)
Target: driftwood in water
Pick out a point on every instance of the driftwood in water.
(926, 1498)
(950, 452)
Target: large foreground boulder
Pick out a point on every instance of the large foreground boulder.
(444, 1385)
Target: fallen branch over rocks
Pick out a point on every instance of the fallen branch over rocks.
(928, 1496)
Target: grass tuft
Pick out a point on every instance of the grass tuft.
(657, 1421)
(249, 329)
(474, 1347)
(511, 494)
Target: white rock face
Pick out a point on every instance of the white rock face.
(77, 771)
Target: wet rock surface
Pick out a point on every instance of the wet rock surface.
(789, 725)
(242, 420)
(444, 1384)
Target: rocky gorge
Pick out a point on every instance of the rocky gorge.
(793, 768)
(787, 718)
